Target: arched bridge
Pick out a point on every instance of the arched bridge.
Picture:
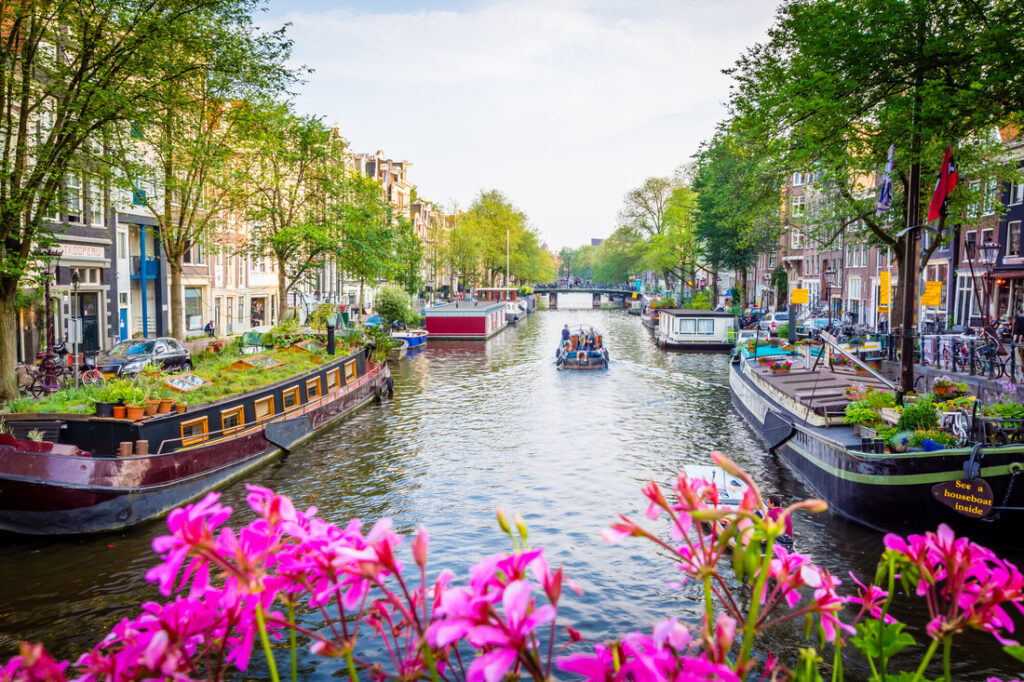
(609, 290)
(613, 291)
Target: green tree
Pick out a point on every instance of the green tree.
(393, 304)
(737, 214)
(114, 59)
(838, 81)
(365, 235)
(495, 224)
(292, 167)
(189, 148)
(409, 256)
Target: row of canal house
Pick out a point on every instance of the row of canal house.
(844, 277)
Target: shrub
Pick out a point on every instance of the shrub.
(783, 331)
(922, 415)
(394, 305)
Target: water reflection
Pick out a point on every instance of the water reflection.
(474, 426)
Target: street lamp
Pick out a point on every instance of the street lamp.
(49, 357)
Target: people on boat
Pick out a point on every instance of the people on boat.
(593, 340)
(565, 335)
(774, 504)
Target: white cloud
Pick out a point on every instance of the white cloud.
(562, 105)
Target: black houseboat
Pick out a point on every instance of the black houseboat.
(799, 415)
(75, 482)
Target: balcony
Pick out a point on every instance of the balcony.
(149, 269)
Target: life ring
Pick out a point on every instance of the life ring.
(581, 357)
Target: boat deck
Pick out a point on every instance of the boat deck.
(821, 390)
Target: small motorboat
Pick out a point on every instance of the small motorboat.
(416, 338)
(582, 352)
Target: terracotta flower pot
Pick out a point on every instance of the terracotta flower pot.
(119, 411)
(135, 412)
(179, 408)
(151, 407)
(166, 405)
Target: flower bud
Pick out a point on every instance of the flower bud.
(419, 547)
(503, 520)
(521, 527)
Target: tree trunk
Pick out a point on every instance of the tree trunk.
(8, 339)
(743, 289)
(359, 311)
(177, 304)
(282, 289)
(714, 288)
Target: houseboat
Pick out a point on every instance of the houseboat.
(636, 306)
(515, 308)
(799, 415)
(704, 330)
(94, 474)
(573, 354)
(466, 320)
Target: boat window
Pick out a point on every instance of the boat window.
(194, 431)
(313, 389)
(705, 326)
(687, 326)
(232, 420)
(333, 379)
(350, 371)
(265, 407)
(290, 397)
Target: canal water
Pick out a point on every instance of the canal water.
(474, 426)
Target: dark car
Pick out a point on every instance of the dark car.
(130, 357)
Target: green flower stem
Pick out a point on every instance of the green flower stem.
(709, 608)
(266, 644)
(429, 656)
(837, 661)
(891, 585)
(352, 674)
(947, 645)
(927, 659)
(750, 628)
(294, 645)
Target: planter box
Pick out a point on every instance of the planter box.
(865, 431)
(890, 415)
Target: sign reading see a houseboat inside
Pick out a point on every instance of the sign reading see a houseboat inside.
(970, 498)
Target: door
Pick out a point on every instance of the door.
(123, 324)
(230, 327)
(88, 310)
(216, 315)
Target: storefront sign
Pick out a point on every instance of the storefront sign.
(932, 293)
(82, 251)
(884, 289)
(799, 296)
(970, 498)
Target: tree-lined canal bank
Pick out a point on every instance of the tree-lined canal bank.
(474, 426)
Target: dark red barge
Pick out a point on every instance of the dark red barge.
(77, 483)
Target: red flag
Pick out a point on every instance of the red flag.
(943, 186)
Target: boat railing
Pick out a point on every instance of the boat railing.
(176, 444)
(833, 343)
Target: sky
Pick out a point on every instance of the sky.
(562, 105)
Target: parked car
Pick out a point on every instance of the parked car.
(772, 321)
(811, 326)
(130, 357)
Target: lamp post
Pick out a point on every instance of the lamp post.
(49, 358)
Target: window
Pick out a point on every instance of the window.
(883, 258)
(86, 275)
(350, 371)
(264, 407)
(194, 431)
(1013, 239)
(849, 256)
(290, 397)
(73, 198)
(193, 308)
(232, 420)
(1016, 193)
(797, 209)
(705, 326)
(194, 256)
(795, 239)
(312, 389)
(964, 300)
(986, 255)
(95, 214)
(333, 379)
(122, 245)
(122, 297)
(687, 326)
(773, 259)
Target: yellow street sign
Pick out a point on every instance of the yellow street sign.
(932, 293)
(799, 296)
(885, 289)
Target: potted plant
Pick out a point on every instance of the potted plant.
(943, 385)
(135, 412)
(120, 411)
(780, 366)
(179, 407)
(151, 405)
(166, 405)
